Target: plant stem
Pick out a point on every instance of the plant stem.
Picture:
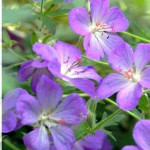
(146, 91)
(81, 94)
(13, 65)
(99, 62)
(128, 112)
(100, 124)
(42, 6)
(79, 41)
(18, 56)
(12, 146)
(136, 36)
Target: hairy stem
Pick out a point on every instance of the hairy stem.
(100, 124)
(136, 36)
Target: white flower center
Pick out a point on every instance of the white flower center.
(47, 120)
(137, 77)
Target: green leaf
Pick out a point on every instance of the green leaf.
(143, 103)
(109, 133)
(53, 2)
(49, 23)
(114, 121)
(6, 37)
(104, 116)
(45, 39)
(34, 38)
(59, 12)
(82, 130)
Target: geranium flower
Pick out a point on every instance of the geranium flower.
(34, 69)
(141, 136)
(65, 63)
(97, 141)
(133, 74)
(50, 117)
(10, 121)
(98, 27)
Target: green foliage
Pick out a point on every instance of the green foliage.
(144, 106)
(13, 16)
(113, 121)
(49, 23)
(34, 38)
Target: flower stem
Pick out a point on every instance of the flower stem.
(79, 41)
(99, 62)
(12, 146)
(136, 36)
(18, 56)
(42, 2)
(146, 91)
(100, 124)
(13, 65)
(128, 112)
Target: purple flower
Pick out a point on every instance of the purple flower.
(131, 77)
(9, 118)
(98, 27)
(141, 135)
(51, 118)
(98, 141)
(65, 62)
(34, 69)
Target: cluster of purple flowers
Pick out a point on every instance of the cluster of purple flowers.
(52, 119)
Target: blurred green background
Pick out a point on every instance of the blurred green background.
(22, 26)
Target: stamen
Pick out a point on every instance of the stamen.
(103, 27)
(129, 73)
(74, 64)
